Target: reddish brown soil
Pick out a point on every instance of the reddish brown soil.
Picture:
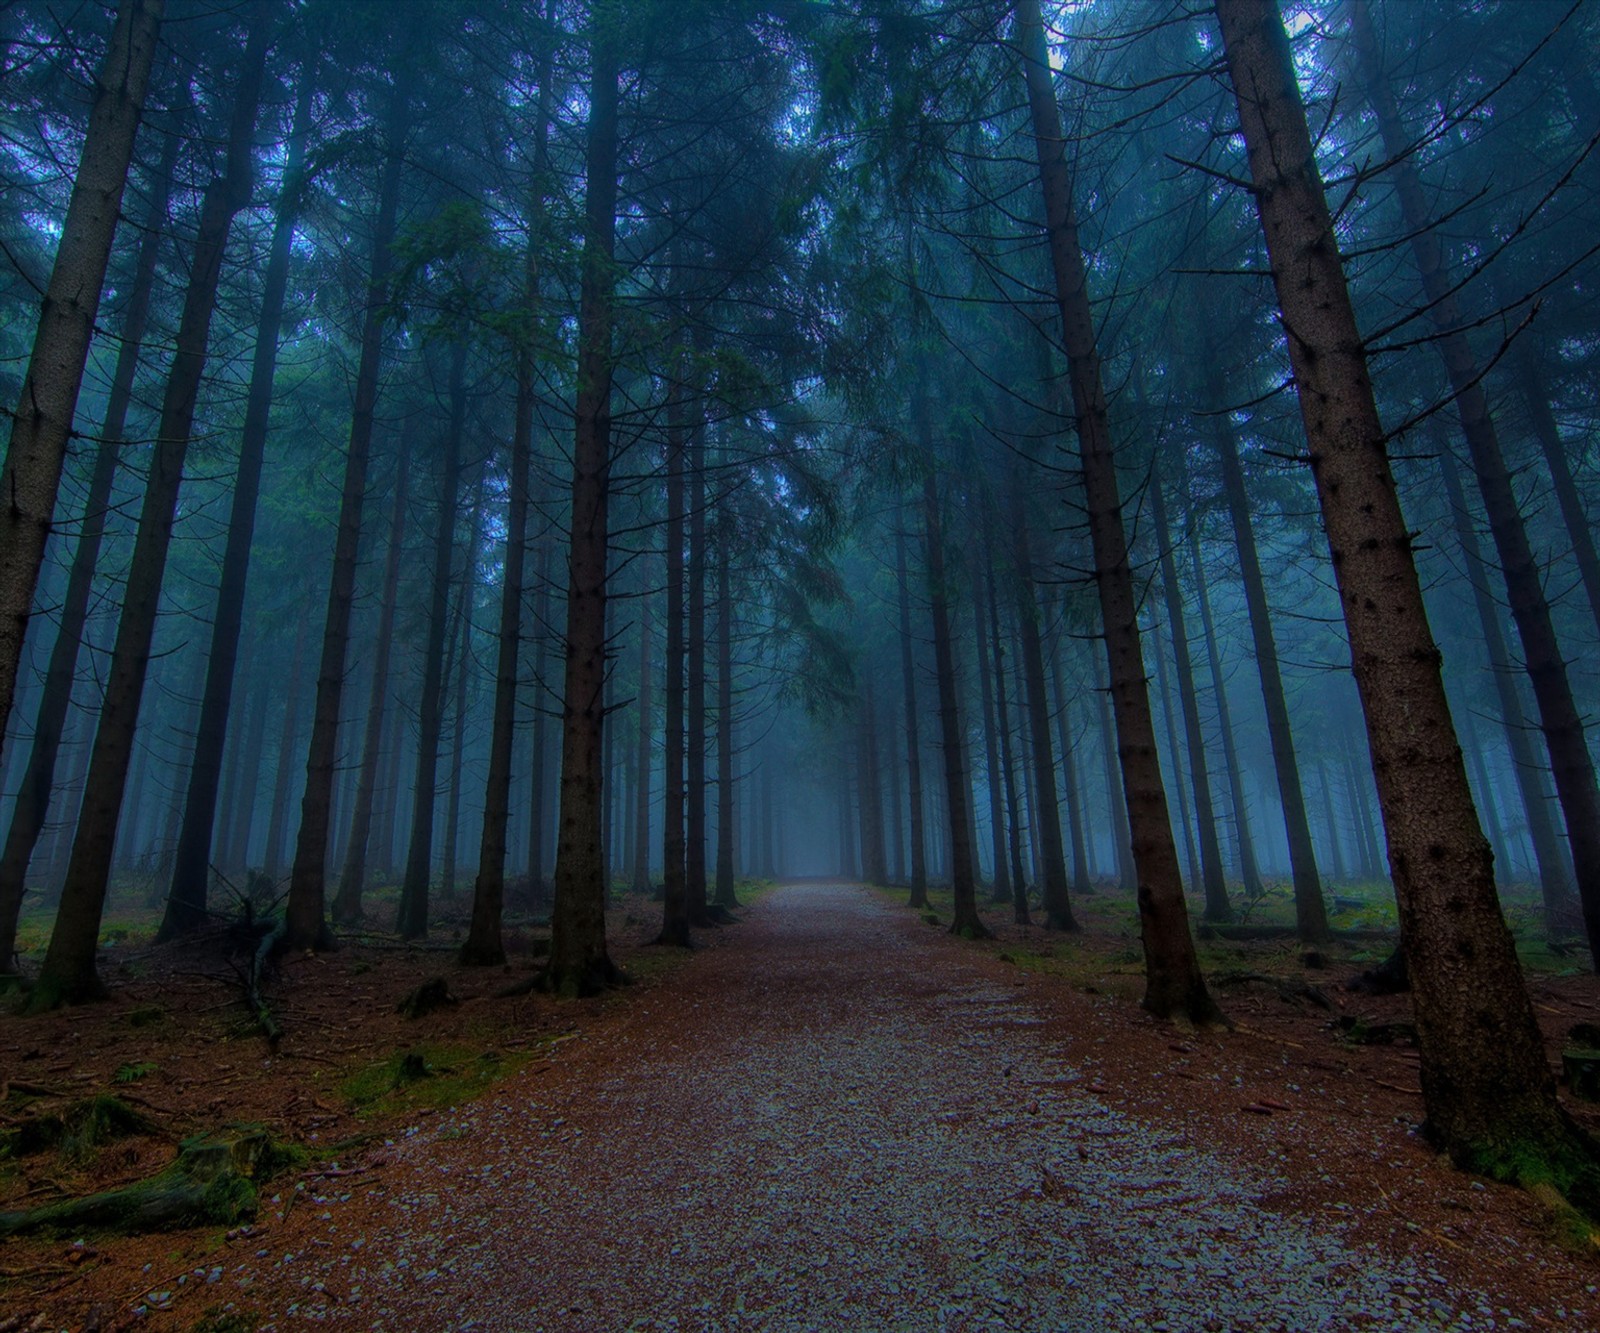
(832, 1114)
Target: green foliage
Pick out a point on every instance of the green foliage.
(134, 1071)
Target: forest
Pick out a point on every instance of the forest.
(506, 499)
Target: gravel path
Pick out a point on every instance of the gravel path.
(831, 1121)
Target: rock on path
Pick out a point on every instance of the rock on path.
(829, 1123)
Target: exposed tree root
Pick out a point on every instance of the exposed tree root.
(213, 1181)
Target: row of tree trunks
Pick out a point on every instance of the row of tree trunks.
(1570, 760)
(1311, 917)
(411, 920)
(1487, 1086)
(42, 424)
(187, 898)
(1174, 985)
(913, 735)
(1213, 883)
(306, 924)
(32, 807)
(579, 961)
(68, 974)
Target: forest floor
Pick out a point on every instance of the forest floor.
(831, 1115)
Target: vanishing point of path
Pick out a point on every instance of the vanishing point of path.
(832, 1120)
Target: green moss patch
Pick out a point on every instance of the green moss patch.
(431, 1074)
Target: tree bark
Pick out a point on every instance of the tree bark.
(187, 895)
(1173, 982)
(1487, 1086)
(306, 926)
(1213, 883)
(579, 962)
(68, 974)
(42, 424)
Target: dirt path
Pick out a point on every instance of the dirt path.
(835, 1119)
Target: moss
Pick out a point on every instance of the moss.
(436, 1074)
(213, 1181)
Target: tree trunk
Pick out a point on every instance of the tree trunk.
(1487, 1086)
(1211, 877)
(1047, 819)
(353, 878)
(1069, 778)
(675, 895)
(1170, 725)
(646, 710)
(1372, 862)
(68, 974)
(579, 963)
(727, 828)
(1487, 799)
(1530, 379)
(1173, 981)
(908, 688)
(869, 788)
(1018, 876)
(42, 424)
(1116, 803)
(539, 764)
(1311, 917)
(1559, 718)
(411, 920)
(32, 806)
(458, 728)
(694, 859)
(186, 898)
(965, 920)
(484, 946)
(1249, 873)
(1329, 822)
(278, 818)
(1555, 880)
(986, 698)
(236, 837)
(306, 926)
